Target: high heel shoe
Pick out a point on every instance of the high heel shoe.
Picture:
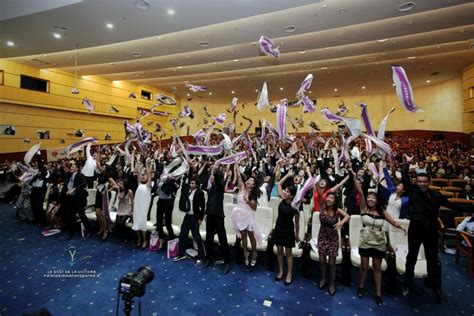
(287, 283)
(332, 291)
(278, 279)
(246, 262)
(378, 300)
(322, 284)
(253, 263)
(360, 292)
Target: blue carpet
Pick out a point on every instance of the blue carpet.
(37, 273)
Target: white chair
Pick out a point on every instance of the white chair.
(355, 224)
(229, 227)
(264, 217)
(150, 224)
(296, 251)
(90, 207)
(273, 204)
(399, 243)
(113, 205)
(316, 225)
(46, 196)
(177, 218)
(228, 198)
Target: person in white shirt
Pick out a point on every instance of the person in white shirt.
(90, 167)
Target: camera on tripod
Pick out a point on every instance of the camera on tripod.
(133, 284)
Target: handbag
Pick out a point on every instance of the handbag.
(155, 244)
(173, 248)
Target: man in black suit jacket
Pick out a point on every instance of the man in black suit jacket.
(215, 218)
(423, 229)
(193, 203)
(74, 200)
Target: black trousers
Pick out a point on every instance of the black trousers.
(215, 225)
(119, 226)
(190, 223)
(37, 200)
(164, 207)
(90, 182)
(420, 233)
(69, 208)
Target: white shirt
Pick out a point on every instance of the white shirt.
(91, 165)
(191, 198)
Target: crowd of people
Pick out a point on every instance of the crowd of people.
(303, 173)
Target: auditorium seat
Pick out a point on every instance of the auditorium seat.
(229, 227)
(297, 252)
(316, 225)
(399, 242)
(440, 182)
(265, 221)
(355, 224)
(459, 183)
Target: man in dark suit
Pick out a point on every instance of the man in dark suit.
(74, 200)
(193, 203)
(214, 214)
(423, 229)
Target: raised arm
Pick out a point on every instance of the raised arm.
(148, 172)
(339, 185)
(280, 183)
(358, 187)
(405, 177)
(238, 176)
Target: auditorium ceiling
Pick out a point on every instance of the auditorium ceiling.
(348, 46)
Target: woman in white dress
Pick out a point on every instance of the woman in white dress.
(243, 215)
(141, 203)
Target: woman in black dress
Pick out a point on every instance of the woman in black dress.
(286, 232)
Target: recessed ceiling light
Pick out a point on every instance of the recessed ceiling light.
(210, 93)
(256, 90)
(407, 6)
(10, 43)
(109, 26)
(136, 54)
(281, 88)
(411, 57)
(302, 52)
(382, 40)
(342, 11)
(371, 58)
(142, 4)
(111, 64)
(233, 92)
(339, 34)
(310, 91)
(57, 35)
(308, 66)
(180, 67)
(208, 35)
(324, 68)
(204, 44)
(335, 90)
(170, 12)
(289, 29)
(188, 95)
(325, 5)
(159, 38)
(428, 81)
(363, 87)
(235, 60)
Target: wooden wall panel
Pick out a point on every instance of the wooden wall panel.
(62, 112)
